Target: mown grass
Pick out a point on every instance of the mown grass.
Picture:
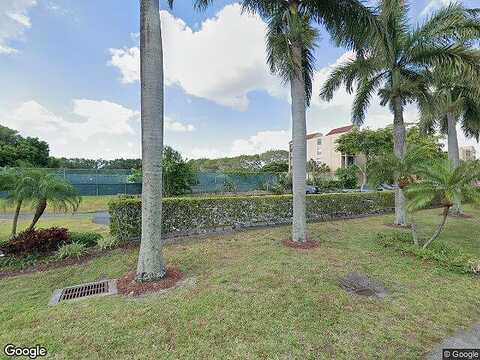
(89, 204)
(255, 299)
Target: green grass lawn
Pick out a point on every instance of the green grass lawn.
(89, 204)
(255, 299)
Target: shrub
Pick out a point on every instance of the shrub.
(109, 242)
(184, 216)
(14, 262)
(37, 241)
(348, 176)
(76, 250)
(88, 239)
(448, 257)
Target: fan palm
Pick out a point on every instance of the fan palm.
(42, 189)
(291, 38)
(455, 99)
(391, 63)
(16, 195)
(442, 180)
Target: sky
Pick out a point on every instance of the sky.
(69, 74)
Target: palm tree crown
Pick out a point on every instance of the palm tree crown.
(392, 59)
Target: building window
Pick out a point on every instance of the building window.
(319, 141)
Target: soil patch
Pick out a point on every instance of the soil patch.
(360, 284)
(127, 285)
(399, 227)
(307, 245)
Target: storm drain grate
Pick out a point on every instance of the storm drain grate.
(100, 288)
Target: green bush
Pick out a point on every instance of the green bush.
(18, 262)
(109, 242)
(184, 216)
(88, 239)
(450, 258)
(348, 177)
(71, 250)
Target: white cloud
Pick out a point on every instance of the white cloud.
(435, 5)
(92, 129)
(14, 21)
(260, 142)
(176, 126)
(223, 61)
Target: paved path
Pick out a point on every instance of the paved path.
(469, 339)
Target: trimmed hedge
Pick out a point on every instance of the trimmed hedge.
(187, 216)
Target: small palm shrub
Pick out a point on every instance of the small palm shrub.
(73, 250)
(37, 241)
(88, 239)
(440, 179)
(109, 242)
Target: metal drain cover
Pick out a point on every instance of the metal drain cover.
(77, 292)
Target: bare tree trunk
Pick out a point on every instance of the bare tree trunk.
(15, 219)
(454, 156)
(414, 234)
(399, 141)
(439, 228)
(299, 141)
(42, 205)
(151, 265)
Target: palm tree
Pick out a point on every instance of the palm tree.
(455, 100)
(42, 188)
(291, 39)
(445, 181)
(151, 265)
(391, 62)
(15, 194)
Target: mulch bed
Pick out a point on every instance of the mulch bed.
(127, 285)
(46, 266)
(307, 245)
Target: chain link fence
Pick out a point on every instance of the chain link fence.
(98, 182)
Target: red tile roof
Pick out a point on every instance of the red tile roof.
(340, 130)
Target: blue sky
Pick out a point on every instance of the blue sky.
(69, 73)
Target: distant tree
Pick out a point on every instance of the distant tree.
(374, 143)
(16, 150)
(123, 164)
(242, 163)
(317, 168)
(274, 156)
(178, 174)
(276, 167)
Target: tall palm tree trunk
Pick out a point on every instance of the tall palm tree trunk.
(399, 143)
(454, 156)
(15, 219)
(42, 205)
(151, 265)
(299, 141)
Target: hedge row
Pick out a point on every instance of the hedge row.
(187, 216)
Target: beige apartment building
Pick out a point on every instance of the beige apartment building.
(468, 153)
(322, 149)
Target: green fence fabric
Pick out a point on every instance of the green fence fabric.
(98, 182)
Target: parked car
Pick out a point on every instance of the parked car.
(311, 189)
